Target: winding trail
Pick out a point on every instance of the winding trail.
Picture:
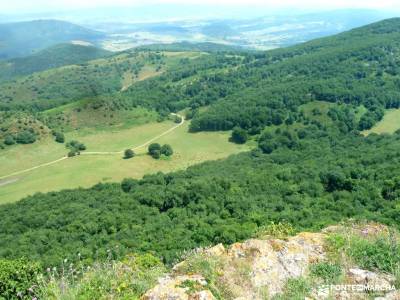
(96, 153)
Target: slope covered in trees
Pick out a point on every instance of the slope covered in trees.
(53, 57)
(102, 77)
(357, 67)
(312, 178)
(251, 90)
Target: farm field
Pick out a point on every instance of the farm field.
(87, 170)
(389, 124)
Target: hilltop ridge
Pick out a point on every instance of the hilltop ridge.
(25, 38)
(49, 58)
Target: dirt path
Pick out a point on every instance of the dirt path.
(143, 145)
(34, 168)
(8, 181)
(93, 153)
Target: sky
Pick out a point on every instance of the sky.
(25, 6)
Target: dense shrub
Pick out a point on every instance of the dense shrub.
(59, 137)
(25, 137)
(18, 279)
(9, 140)
(129, 153)
(166, 150)
(239, 136)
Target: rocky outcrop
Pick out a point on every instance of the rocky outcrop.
(266, 264)
(186, 287)
(259, 269)
(273, 262)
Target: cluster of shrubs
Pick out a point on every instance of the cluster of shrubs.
(23, 137)
(75, 148)
(128, 278)
(155, 150)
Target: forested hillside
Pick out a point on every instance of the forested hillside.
(99, 85)
(359, 67)
(102, 77)
(53, 57)
(310, 166)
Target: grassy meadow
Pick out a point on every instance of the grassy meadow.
(87, 170)
(389, 124)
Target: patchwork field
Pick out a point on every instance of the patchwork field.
(87, 170)
(389, 124)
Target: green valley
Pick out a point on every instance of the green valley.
(157, 152)
(87, 170)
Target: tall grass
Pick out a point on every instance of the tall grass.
(126, 279)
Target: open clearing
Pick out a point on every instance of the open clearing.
(87, 170)
(129, 78)
(389, 124)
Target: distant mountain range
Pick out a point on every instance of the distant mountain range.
(262, 33)
(25, 38)
(257, 33)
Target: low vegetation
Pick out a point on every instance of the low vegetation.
(125, 279)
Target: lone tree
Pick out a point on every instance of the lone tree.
(154, 150)
(239, 135)
(167, 150)
(129, 154)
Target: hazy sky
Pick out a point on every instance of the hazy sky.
(8, 6)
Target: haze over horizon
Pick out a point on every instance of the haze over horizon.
(170, 9)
